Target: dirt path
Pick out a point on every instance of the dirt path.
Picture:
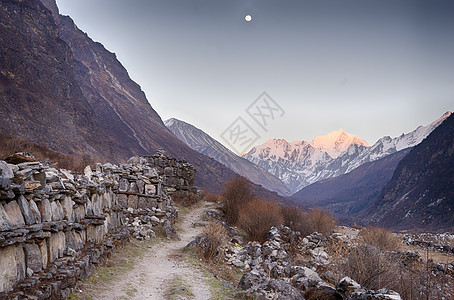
(154, 273)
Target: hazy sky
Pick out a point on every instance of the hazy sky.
(371, 67)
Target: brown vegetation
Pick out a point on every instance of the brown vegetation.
(216, 237)
(257, 217)
(185, 198)
(236, 193)
(380, 238)
(317, 220)
(10, 145)
(209, 197)
(375, 264)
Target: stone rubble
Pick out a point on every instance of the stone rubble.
(272, 273)
(442, 242)
(57, 226)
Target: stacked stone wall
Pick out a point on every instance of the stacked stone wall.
(57, 226)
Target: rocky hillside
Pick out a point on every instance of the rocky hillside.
(39, 99)
(299, 164)
(421, 191)
(60, 89)
(205, 144)
(350, 193)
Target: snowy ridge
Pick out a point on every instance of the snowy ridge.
(336, 142)
(205, 144)
(300, 163)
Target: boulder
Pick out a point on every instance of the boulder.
(275, 289)
(26, 211)
(35, 211)
(14, 214)
(133, 201)
(34, 259)
(46, 210)
(5, 170)
(12, 266)
(5, 223)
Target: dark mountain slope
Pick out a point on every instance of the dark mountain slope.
(38, 97)
(350, 193)
(420, 194)
(205, 144)
(60, 89)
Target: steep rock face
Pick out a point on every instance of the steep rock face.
(299, 164)
(421, 191)
(205, 144)
(122, 108)
(350, 193)
(39, 100)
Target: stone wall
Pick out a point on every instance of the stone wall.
(56, 226)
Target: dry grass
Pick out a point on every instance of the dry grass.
(380, 238)
(257, 217)
(185, 198)
(317, 220)
(217, 237)
(10, 145)
(374, 264)
(210, 197)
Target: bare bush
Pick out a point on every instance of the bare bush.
(237, 193)
(209, 197)
(380, 238)
(185, 198)
(257, 217)
(322, 220)
(317, 220)
(370, 267)
(216, 236)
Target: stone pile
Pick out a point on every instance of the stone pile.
(272, 272)
(442, 242)
(56, 226)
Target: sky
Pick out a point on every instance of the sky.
(371, 67)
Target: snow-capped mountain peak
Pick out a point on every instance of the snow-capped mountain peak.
(336, 142)
(300, 163)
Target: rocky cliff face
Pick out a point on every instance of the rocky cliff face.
(39, 98)
(205, 144)
(351, 193)
(420, 193)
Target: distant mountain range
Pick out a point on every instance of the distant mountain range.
(420, 194)
(205, 144)
(299, 164)
(349, 194)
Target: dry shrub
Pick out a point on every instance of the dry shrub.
(323, 221)
(257, 217)
(237, 192)
(216, 237)
(185, 198)
(209, 197)
(10, 145)
(380, 238)
(317, 220)
(370, 267)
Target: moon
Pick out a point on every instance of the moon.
(248, 18)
